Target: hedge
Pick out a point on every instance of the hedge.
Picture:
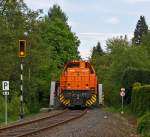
(140, 100)
(132, 75)
(144, 125)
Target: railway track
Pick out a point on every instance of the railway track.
(33, 127)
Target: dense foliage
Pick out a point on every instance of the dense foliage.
(123, 64)
(144, 125)
(132, 75)
(111, 66)
(50, 43)
(140, 101)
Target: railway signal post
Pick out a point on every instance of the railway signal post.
(122, 94)
(5, 86)
(22, 54)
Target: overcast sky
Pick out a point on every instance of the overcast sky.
(98, 20)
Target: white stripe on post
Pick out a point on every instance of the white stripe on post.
(21, 77)
(21, 66)
(21, 98)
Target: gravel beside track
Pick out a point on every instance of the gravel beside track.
(93, 124)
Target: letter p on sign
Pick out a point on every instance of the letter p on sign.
(5, 85)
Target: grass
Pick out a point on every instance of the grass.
(118, 109)
(143, 124)
(132, 119)
(112, 109)
(11, 119)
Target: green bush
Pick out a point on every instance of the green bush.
(2, 108)
(140, 100)
(132, 75)
(144, 125)
(13, 109)
(2, 103)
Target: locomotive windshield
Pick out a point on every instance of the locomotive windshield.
(73, 65)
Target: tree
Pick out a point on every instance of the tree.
(58, 35)
(146, 41)
(15, 19)
(56, 12)
(97, 51)
(111, 66)
(116, 44)
(50, 43)
(140, 30)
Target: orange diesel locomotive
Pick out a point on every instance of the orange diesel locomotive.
(78, 84)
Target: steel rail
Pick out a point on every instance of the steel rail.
(53, 125)
(30, 121)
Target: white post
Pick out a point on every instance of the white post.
(5, 87)
(52, 92)
(100, 94)
(122, 94)
(122, 105)
(6, 108)
(21, 90)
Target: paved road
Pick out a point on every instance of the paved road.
(93, 124)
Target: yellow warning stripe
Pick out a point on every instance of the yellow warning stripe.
(66, 102)
(62, 100)
(93, 100)
(90, 102)
(61, 95)
(87, 102)
(94, 96)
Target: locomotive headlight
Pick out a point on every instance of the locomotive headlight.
(87, 86)
(68, 85)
